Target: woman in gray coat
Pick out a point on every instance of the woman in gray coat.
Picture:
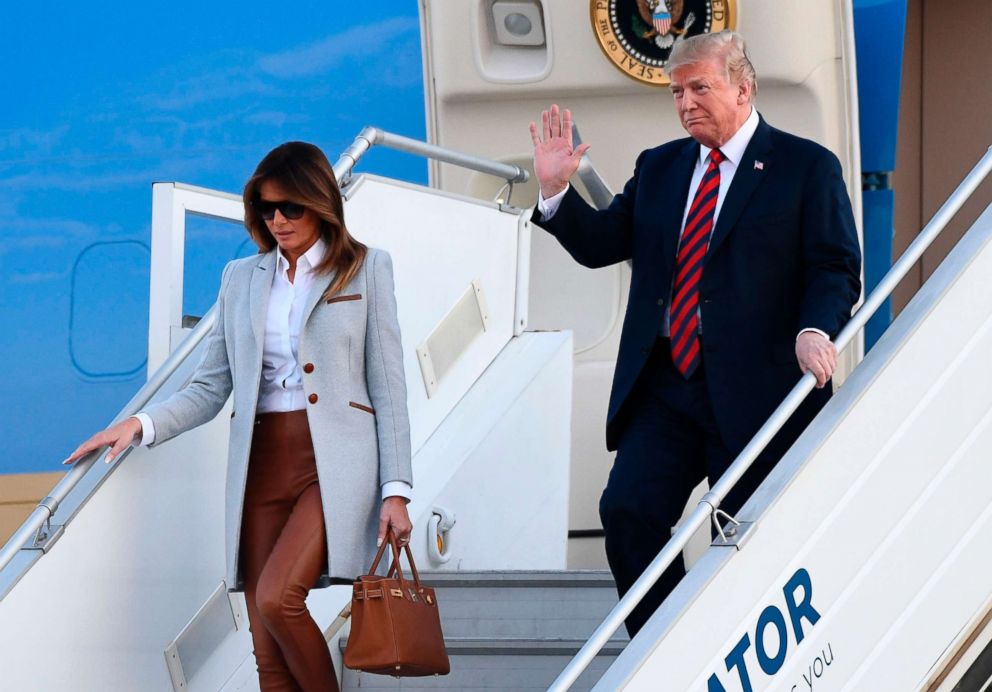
(308, 343)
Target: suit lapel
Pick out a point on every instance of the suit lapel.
(320, 284)
(258, 301)
(674, 199)
(746, 180)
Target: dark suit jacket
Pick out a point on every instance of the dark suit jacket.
(783, 256)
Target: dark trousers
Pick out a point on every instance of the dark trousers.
(669, 444)
(283, 552)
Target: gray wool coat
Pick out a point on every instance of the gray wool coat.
(353, 342)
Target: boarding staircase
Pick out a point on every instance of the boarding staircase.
(858, 565)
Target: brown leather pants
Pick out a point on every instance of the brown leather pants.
(283, 552)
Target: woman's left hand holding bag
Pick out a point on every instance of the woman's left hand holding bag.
(394, 516)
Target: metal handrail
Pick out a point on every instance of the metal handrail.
(47, 507)
(708, 505)
(599, 191)
(371, 136)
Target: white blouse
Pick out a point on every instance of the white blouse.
(281, 388)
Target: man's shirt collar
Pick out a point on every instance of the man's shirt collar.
(733, 148)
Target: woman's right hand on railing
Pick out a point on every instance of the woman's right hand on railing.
(117, 437)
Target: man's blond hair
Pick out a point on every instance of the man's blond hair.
(727, 46)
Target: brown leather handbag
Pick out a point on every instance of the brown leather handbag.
(395, 625)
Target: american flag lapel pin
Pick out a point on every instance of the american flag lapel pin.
(759, 165)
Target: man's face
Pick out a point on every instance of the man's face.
(711, 108)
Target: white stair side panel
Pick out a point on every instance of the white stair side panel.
(440, 244)
(943, 597)
(883, 501)
(96, 613)
(245, 677)
(510, 493)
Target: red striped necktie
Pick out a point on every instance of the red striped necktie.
(689, 269)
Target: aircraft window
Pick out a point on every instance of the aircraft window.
(108, 318)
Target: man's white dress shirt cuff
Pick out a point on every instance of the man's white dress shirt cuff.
(548, 207)
(813, 329)
(397, 489)
(147, 429)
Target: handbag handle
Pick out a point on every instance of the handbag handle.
(381, 552)
(395, 567)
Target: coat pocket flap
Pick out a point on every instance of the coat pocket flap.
(341, 299)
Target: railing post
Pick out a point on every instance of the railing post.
(165, 290)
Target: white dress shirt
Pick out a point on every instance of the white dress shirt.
(281, 386)
(733, 152)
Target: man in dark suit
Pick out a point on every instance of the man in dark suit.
(745, 262)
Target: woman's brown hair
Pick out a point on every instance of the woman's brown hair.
(306, 175)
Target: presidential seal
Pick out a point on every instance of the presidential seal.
(638, 35)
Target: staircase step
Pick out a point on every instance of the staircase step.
(509, 646)
(523, 605)
(595, 578)
(479, 663)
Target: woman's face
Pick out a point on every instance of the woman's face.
(294, 236)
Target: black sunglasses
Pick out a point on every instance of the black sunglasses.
(267, 209)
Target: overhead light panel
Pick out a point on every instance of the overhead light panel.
(518, 23)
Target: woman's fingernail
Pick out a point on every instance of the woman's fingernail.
(108, 459)
(378, 543)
